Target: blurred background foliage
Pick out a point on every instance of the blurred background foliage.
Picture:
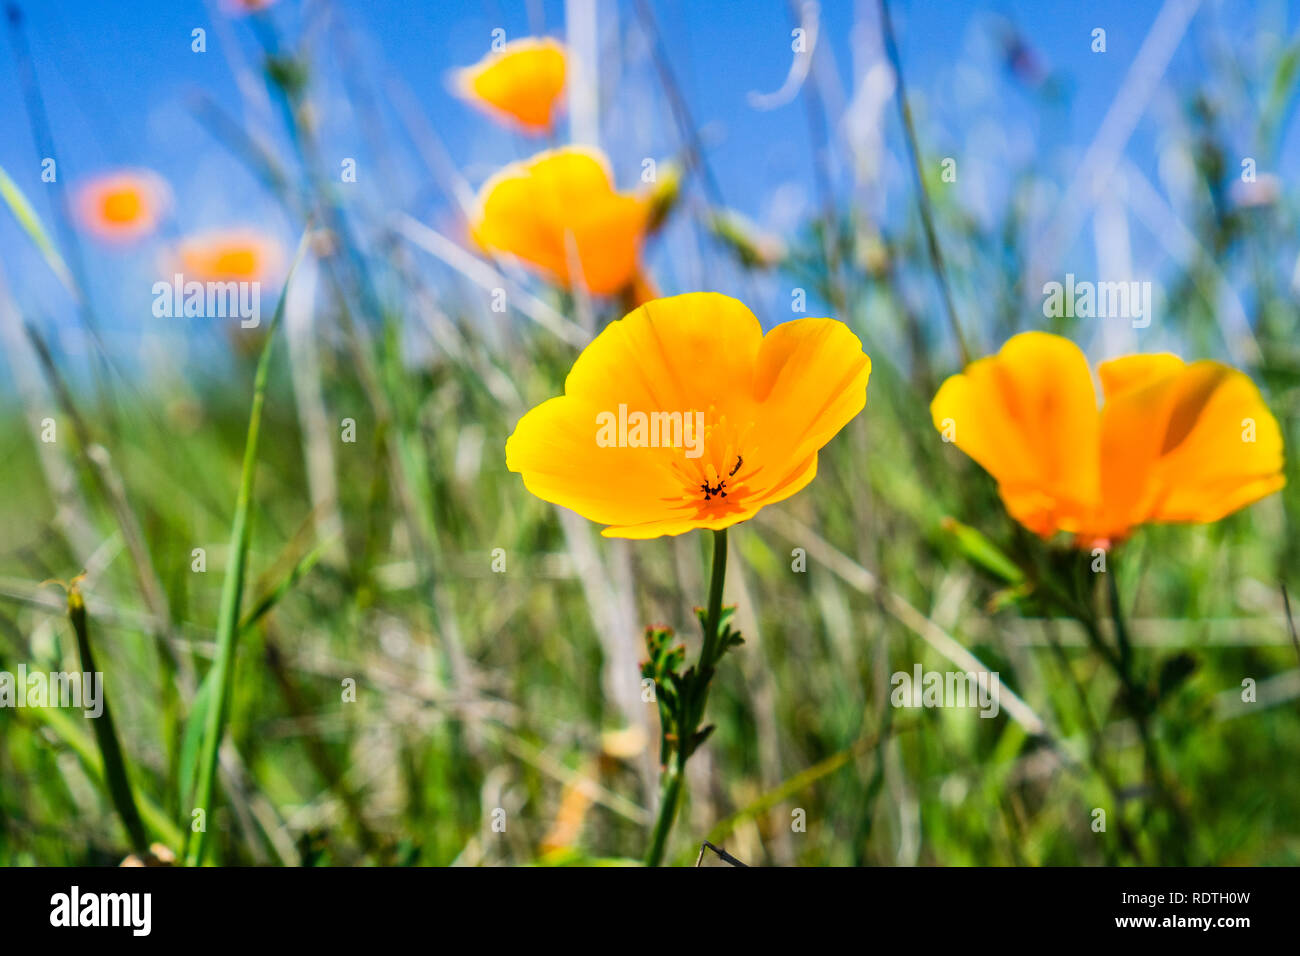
(480, 690)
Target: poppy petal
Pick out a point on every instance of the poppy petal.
(810, 381)
(559, 212)
(750, 413)
(1134, 371)
(1194, 446)
(522, 82)
(795, 482)
(554, 447)
(1029, 416)
(682, 353)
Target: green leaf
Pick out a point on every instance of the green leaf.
(1021, 596)
(193, 737)
(979, 549)
(701, 736)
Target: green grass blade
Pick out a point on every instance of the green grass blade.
(116, 778)
(68, 730)
(192, 741)
(31, 224)
(232, 590)
(195, 726)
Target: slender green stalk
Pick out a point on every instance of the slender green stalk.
(670, 796)
(1121, 628)
(711, 651)
(1137, 702)
(1096, 744)
(691, 704)
(115, 776)
(68, 731)
(1141, 706)
(232, 590)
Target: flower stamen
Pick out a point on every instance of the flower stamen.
(712, 485)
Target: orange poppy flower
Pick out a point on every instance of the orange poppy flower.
(229, 255)
(1172, 442)
(521, 82)
(122, 206)
(558, 212)
(685, 415)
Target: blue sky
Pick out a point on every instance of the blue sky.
(117, 77)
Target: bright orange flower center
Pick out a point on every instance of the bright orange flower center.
(714, 484)
(235, 262)
(122, 206)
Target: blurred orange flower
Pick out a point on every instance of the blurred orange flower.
(559, 213)
(685, 415)
(239, 8)
(521, 82)
(1172, 442)
(122, 206)
(229, 255)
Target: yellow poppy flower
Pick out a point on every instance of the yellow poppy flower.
(685, 415)
(122, 206)
(1172, 442)
(229, 255)
(558, 212)
(521, 82)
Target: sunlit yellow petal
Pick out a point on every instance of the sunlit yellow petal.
(1134, 371)
(811, 380)
(555, 448)
(1220, 450)
(522, 81)
(687, 351)
(1029, 416)
(559, 213)
(746, 415)
(794, 482)
(1173, 442)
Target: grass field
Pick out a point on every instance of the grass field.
(427, 665)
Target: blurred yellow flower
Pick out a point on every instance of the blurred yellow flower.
(229, 255)
(1172, 442)
(521, 82)
(559, 213)
(122, 206)
(685, 415)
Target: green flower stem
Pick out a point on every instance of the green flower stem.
(691, 707)
(1121, 628)
(115, 776)
(670, 795)
(1141, 706)
(711, 650)
(1136, 700)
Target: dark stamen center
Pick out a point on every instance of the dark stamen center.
(710, 491)
(718, 489)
